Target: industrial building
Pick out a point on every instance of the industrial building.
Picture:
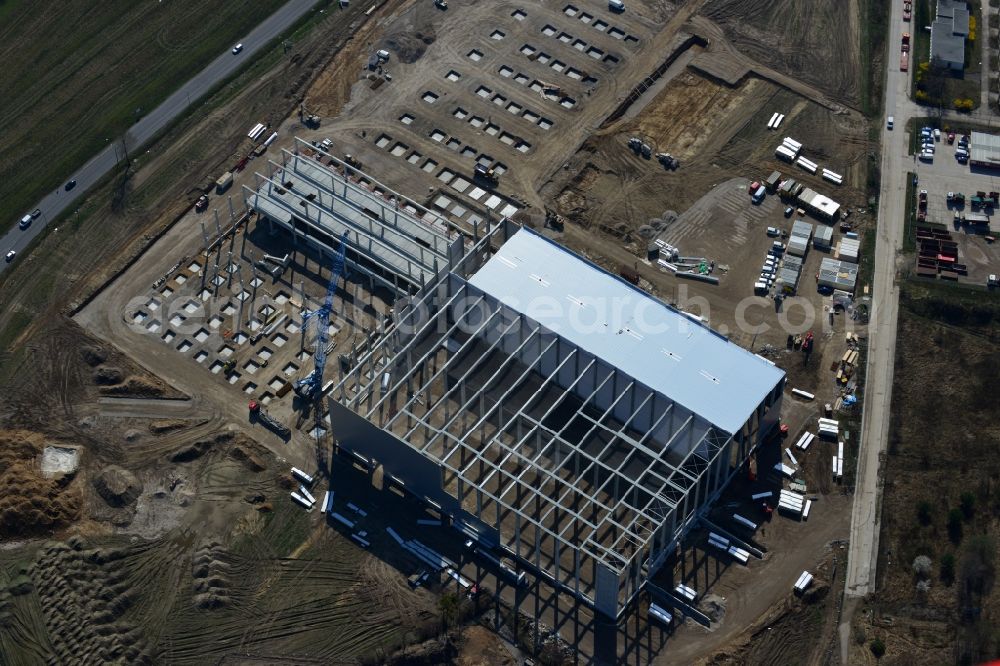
(838, 274)
(984, 150)
(548, 409)
(823, 238)
(819, 204)
(798, 240)
(948, 33)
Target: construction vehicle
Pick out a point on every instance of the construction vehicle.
(310, 120)
(353, 162)
(229, 366)
(271, 423)
(668, 161)
(310, 387)
(486, 174)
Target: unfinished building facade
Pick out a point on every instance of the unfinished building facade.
(554, 412)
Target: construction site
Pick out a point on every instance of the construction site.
(555, 311)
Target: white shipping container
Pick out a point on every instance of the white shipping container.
(840, 449)
(718, 537)
(301, 500)
(792, 143)
(748, 523)
(660, 614)
(302, 476)
(686, 592)
(760, 496)
(774, 118)
(805, 511)
(788, 452)
(804, 441)
(739, 554)
(803, 394)
(784, 469)
(305, 493)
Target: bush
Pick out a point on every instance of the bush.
(967, 502)
(947, 569)
(955, 525)
(878, 648)
(924, 512)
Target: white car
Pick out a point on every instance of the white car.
(937, 135)
(10, 256)
(926, 156)
(890, 121)
(237, 48)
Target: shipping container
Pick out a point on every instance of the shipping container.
(302, 476)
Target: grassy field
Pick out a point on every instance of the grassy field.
(942, 474)
(75, 72)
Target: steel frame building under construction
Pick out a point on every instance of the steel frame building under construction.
(554, 412)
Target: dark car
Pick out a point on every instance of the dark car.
(825, 290)
(35, 214)
(70, 185)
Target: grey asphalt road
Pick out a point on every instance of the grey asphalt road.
(866, 517)
(54, 203)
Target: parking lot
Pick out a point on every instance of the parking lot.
(946, 174)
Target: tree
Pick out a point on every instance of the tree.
(955, 525)
(947, 569)
(922, 566)
(967, 502)
(924, 510)
(448, 604)
(877, 647)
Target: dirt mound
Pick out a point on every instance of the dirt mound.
(191, 452)
(108, 376)
(117, 486)
(408, 47)
(210, 573)
(136, 387)
(93, 356)
(159, 427)
(30, 503)
(249, 459)
(200, 447)
(83, 596)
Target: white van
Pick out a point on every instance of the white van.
(890, 121)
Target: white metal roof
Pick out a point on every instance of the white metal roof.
(645, 338)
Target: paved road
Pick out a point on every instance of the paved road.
(866, 515)
(90, 173)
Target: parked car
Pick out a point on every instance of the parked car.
(937, 135)
(789, 211)
(773, 231)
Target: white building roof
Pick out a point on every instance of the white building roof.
(654, 343)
